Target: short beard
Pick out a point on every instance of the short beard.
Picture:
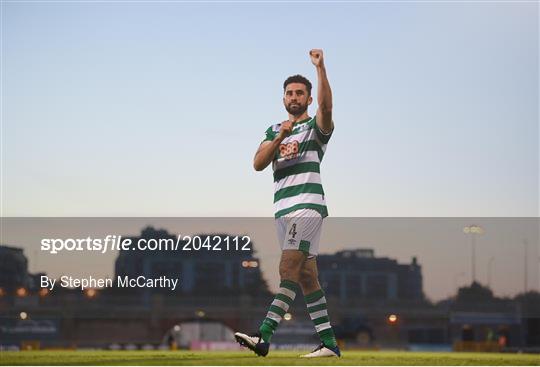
(297, 111)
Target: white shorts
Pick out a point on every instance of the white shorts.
(300, 230)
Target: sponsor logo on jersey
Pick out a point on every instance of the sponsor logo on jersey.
(289, 150)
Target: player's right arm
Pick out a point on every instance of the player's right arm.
(267, 149)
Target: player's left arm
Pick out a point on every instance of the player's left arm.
(324, 93)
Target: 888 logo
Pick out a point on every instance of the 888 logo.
(289, 150)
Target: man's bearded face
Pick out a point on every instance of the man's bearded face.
(296, 99)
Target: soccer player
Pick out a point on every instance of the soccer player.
(295, 148)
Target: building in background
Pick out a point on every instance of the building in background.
(14, 275)
(358, 275)
(201, 268)
(374, 302)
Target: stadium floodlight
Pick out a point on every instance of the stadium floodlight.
(90, 293)
(473, 230)
(250, 264)
(21, 292)
(200, 313)
(43, 292)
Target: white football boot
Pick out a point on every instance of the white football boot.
(255, 343)
(323, 351)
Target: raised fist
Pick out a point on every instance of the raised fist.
(285, 129)
(316, 57)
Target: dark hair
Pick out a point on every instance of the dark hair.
(298, 79)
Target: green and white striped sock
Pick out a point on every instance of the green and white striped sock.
(316, 305)
(278, 308)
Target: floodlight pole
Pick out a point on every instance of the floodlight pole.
(473, 230)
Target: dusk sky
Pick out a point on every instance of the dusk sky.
(156, 108)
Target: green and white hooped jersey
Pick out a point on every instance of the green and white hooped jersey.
(296, 165)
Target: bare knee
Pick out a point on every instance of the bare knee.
(289, 271)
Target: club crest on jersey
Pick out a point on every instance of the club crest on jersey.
(304, 127)
(289, 150)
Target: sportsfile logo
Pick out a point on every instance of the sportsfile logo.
(117, 243)
(102, 245)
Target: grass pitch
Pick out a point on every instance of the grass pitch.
(247, 358)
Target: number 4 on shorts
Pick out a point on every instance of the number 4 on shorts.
(292, 231)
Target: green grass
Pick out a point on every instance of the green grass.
(247, 358)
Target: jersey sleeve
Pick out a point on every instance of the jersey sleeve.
(269, 135)
(323, 137)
